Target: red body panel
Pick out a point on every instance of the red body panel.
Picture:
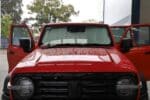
(14, 57)
(89, 60)
(140, 58)
(15, 53)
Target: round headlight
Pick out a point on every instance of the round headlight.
(24, 88)
(126, 87)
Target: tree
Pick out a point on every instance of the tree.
(5, 25)
(51, 11)
(13, 8)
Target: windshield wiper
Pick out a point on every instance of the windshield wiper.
(45, 46)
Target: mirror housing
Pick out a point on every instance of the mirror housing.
(126, 44)
(25, 44)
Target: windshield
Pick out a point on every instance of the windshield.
(76, 35)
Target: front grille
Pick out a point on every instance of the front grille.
(75, 86)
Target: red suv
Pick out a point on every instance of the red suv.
(71, 61)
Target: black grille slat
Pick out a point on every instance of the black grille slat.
(74, 86)
(53, 90)
(53, 83)
(98, 87)
(93, 91)
(50, 96)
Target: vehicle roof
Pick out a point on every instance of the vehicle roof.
(84, 24)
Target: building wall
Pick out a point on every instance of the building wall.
(117, 12)
(145, 11)
(122, 12)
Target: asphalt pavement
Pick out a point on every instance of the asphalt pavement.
(4, 70)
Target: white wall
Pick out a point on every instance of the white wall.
(144, 11)
(117, 12)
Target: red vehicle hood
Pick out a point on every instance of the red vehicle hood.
(75, 60)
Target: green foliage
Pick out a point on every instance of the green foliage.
(13, 8)
(51, 11)
(6, 21)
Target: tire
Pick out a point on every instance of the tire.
(143, 90)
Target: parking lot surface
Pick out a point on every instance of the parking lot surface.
(3, 68)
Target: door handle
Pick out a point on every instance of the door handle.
(147, 52)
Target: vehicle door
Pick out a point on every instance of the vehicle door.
(19, 34)
(139, 54)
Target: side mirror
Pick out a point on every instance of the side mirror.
(126, 44)
(25, 44)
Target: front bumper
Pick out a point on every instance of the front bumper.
(72, 84)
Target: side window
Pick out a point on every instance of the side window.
(142, 35)
(128, 34)
(18, 33)
(117, 33)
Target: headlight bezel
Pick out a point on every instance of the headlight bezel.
(127, 87)
(22, 87)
